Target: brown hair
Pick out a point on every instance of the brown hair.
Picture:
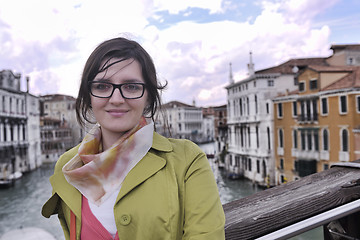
(124, 49)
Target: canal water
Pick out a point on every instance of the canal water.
(20, 205)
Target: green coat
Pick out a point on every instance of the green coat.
(170, 194)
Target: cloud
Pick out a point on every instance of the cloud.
(175, 6)
(52, 42)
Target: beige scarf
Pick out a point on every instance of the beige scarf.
(98, 174)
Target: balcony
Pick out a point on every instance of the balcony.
(308, 118)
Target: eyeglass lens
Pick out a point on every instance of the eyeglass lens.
(127, 90)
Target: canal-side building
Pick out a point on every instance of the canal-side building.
(251, 116)
(218, 115)
(60, 130)
(318, 124)
(62, 107)
(33, 128)
(181, 120)
(56, 138)
(18, 111)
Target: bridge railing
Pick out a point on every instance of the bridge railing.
(330, 199)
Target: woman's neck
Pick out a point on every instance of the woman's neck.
(109, 138)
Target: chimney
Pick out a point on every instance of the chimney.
(27, 84)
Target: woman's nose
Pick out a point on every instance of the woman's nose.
(117, 97)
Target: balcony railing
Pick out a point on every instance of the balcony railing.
(308, 118)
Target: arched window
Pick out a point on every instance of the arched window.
(325, 140)
(344, 140)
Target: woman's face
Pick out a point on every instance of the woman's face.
(116, 114)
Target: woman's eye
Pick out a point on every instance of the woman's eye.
(132, 87)
(101, 86)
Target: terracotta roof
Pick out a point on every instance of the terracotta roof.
(341, 47)
(331, 68)
(350, 80)
(286, 67)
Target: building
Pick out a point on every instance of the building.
(318, 124)
(180, 120)
(33, 129)
(251, 117)
(62, 107)
(19, 138)
(219, 117)
(56, 138)
(59, 127)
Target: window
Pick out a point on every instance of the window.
(358, 104)
(326, 166)
(249, 164)
(270, 83)
(256, 105)
(268, 138)
(267, 108)
(325, 140)
(301, 86)
(344, 140)
(303, 141)
(257, 137)
(294, 109)
(257, 166)
(309, 139)
(281, 163)
(343, 105)
(316, 141)
(324, 106)
(281, 138)
(280, 110)
(240, 105)
(350, 61)
(248, 105)
(295, 142)
(313, 84)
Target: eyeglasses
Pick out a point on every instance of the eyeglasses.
(105, 89)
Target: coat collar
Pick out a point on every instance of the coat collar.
(161, 143)
(147, 167)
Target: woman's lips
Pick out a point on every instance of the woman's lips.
(117, 113)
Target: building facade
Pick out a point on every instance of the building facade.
(251, 133)
(59, 127)
(318, 124)
(180, 120)
(19, 138)
(56, 138)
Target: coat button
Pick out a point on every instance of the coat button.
(125, 219)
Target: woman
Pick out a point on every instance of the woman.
(125, 181)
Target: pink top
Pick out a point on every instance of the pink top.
(91, 228)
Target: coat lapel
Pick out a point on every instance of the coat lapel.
(70, 195)
(147, 166)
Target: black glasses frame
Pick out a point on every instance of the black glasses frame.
(117, 86)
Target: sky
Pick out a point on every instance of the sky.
(192, 42)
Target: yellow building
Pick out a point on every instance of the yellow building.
(318, 124)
